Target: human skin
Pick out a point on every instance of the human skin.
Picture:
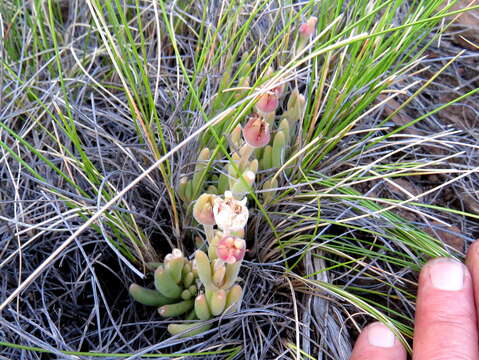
(446, 324)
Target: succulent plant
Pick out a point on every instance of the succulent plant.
(207, 286)
(175, 286)
(178, 280)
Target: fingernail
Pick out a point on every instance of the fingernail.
(446, 274)
(379, 335)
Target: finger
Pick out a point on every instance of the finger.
(445, 313)
(377, 342)
(472, 262)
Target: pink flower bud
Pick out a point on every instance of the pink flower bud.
(267, 103)
(306, 29)
(256, 132)
(203, 209)
(231, 249)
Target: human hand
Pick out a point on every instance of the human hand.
(446, 325)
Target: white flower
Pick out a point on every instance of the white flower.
(230, 214)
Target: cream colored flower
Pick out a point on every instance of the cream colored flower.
(230, 214)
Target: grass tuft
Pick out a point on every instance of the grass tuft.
(104, 106)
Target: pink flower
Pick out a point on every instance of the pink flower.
(306, 29)
(256, 132)
(267, 103)
(203, 209)
(231, 249)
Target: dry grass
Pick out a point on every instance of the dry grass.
(330, 261)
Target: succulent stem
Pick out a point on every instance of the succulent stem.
(218, 302)
(188, 279)
(278, 149)
(166, 285)
(231, 275)
(147, 296)
(219, 273)
(175, 267)
(245, 153)
(187, 330)
(201, 308)
(176, 309)
(186, 295)
(210, 233)
(233, 299)
(204, 268)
